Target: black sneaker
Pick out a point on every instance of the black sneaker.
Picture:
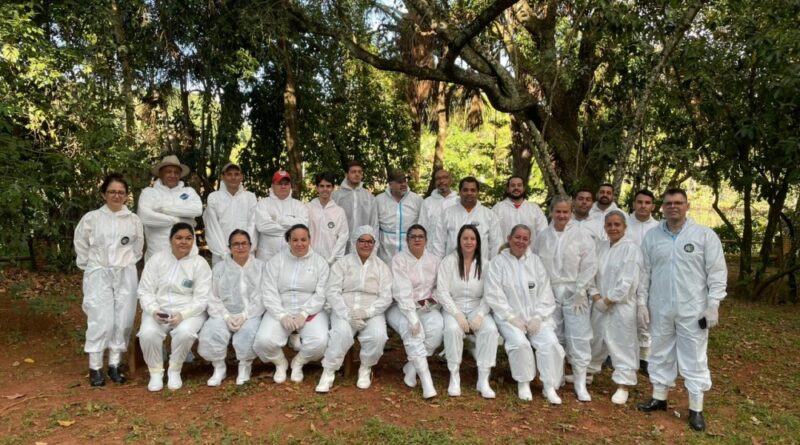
(696, 420)
(116, 375)
(96, 377)
(652, 405)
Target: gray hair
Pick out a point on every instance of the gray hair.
(619, 213)
(558, 199)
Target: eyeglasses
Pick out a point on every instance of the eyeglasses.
(674, 203)
(366, 242)
(416, 237)
(240, 244)
(116, 192)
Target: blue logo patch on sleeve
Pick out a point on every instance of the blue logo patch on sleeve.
(184, 196)
(187, 283)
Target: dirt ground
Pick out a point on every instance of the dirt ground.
(45, 396)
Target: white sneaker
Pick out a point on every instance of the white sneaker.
(174, 381)
(410, 375)
(550, 394)
(156, 382)
(620, 397)
(524, 391)
(364, 377)
(297, 369)
(280, 371)
(220, 372)
(454, 389)
(326, 380)
(245, 368)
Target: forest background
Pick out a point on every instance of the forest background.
(568, 94)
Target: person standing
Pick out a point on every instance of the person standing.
(167, 202)
(108, 244)
(229, 208)
(468, 210)
(358, 203)
(516, 209)
(581, 207)
(327, 221)
(441, 198)
(398, 209)
(605, 202)
(685, 276)
(275, 214)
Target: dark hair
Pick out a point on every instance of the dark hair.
(583, 190)
(231, 166)
(524, 185)
(471, 179)
(477, 273)
(113, 177)
(416, 227)
(352, 164)
(324, 176)
(606, 184)
(181, 226)
(645, 192)
(675, 191)
(239, 232)
(288, 235)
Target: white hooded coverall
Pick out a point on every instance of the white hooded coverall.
(618, 273)
(595, 227)
(235, 290)
(160, 208)
(635, 232)
(273, 218)
(596, 213)
(683, 274)
(329, 230)
(450, 222)
(465, 296)
(432, 208)
(353, 285)
(359, 206)
(395, 218)
(571, 262)
(172, 286)
(293, 285)
(413, 287)
(226, 213)
(108, 245)
(527, 213)
(520, 288)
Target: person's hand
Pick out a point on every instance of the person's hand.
(287, 321)
(475, 323)
(534, 325)
(580, 304)
(416, 329)
(643, 315)
(519, 324)
(234, 322)
(358, 314)
(357, 323)
(600, 305)
(462, 322)
(712, 315)
(160, 319)
(299, 321)
(175, 319)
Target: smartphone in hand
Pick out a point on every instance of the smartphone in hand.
(162, 315)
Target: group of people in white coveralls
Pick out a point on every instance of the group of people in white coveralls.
(591, 285)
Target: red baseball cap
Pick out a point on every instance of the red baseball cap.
(280, 175)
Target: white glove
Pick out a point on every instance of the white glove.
(600, 305)
(299, 321)
(234, 322)
(643, 315)
(712, 315)
(287, 321)
(580, 304)
(416, 329)
(175, 319)
(357, 323)
(534, 324)
(462, 322)
(519, 324)
(358, 314)
(475, 323)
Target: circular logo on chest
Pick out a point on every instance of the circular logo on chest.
(331, 224)
(184, 196)
(688, 248)
(125, 240)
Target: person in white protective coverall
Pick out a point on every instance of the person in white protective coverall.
(108, 244)
(441, 198)
(582, 204)
(234, 310)
(468, 210)
(359, 291)
(358, 203)
(684, 282)
(398, 209)
(229, 208)
(569, 255)
(275, 214)
(604, 203)
(640, 222)
(614, 306)
(167, 202)
(173, 294)
(327, 221)
(294, 295)
(516, 209)
(518, 290)
(416, 314)
(459, 289)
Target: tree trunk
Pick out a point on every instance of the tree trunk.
(295, 167)
(127, 73)
(475, 113)
(441, 133)
(773, 223)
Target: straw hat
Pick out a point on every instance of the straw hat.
(167, 161)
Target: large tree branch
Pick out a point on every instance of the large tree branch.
(460, 39)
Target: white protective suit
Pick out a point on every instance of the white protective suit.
(235, 290)
(596, 213)
(520, 288)
(595, 228)
(293, 285)
(457, 295)
(394, 219)
(432, 208)
(527, 213)
(683, 275)
(413, 289)
(571, 262)
(615, 330)
(329, 230)
(445, 240)
(356, 286)
(226, 213)
(360, 207)
(273, 218)
(108, 245)
(173, 286)
(160, 208)
(635, 232)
